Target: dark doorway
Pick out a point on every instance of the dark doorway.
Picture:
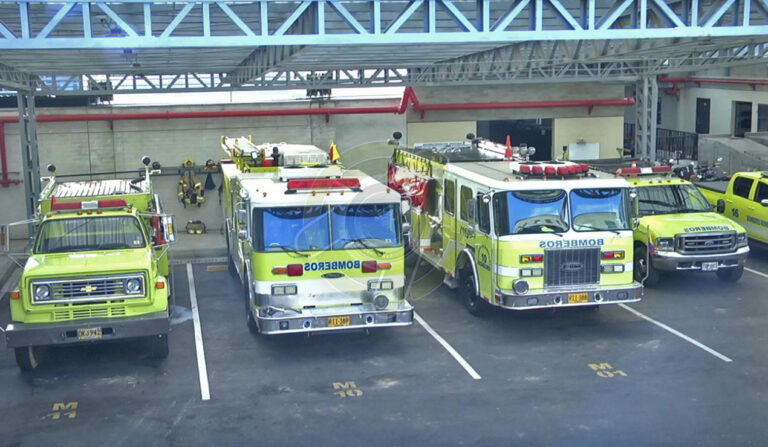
(742, 114)
(702, 115)
(762, 118)
(533, 132)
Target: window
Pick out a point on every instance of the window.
(599, 209)
(292, 228)
(742, 186)
(762, 192)
(483, 215)
(89, 234)
(466, 195)
(365, 226)
(527, 212)
(449, 197)
(671, 199)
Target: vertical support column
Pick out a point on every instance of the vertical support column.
(646, 108)
(29, 150)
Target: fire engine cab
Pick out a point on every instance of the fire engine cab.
(514, 233)
(317, 247)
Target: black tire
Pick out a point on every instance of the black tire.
(640, 268)
(474, 304)
(730, 274)
(250, 320)
(158, 346)
(28, 357)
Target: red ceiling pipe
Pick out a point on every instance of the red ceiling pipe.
(750, 82)
(528, 104)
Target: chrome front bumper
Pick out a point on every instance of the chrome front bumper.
(673, 261)
(560, 298)
(365, 316)
(60, 333)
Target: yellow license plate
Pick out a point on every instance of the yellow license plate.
(89, 333)
(338, 321)
(582, 297)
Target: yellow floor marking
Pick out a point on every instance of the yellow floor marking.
(216, 268)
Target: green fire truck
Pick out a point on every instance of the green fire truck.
(316, 247)
(515, 233)
(97, 270)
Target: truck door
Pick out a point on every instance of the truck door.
(449, 225)
(739, 205)
(484, 239)
(758, 212)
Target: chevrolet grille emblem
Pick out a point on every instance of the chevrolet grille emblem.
(88, 289)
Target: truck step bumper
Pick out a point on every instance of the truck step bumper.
(40, 334)
(555, 299)
(674, 261)
(336, 319)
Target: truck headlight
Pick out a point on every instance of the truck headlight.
(132, 286)
(520, 286)
(665, 244)
(42, 292)
(741, 240)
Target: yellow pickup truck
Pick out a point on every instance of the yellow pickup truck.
(744, 199)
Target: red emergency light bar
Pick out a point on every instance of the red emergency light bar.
(634, 170)
(569, 169)
(323, 183)
(107, 203)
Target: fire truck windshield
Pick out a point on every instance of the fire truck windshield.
(365, 226)
(524, 212)
(600, 209)
(89, 234)
(293, 227)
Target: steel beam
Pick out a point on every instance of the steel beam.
(29, 150)
(28, 24)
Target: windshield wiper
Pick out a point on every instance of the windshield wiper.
(599, 229)
(361, 241)
(288, 249)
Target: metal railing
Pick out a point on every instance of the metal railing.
(669, 143)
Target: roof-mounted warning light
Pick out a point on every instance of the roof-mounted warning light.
(323, 183)
(87, 205)
(634, 171)
(568, 168)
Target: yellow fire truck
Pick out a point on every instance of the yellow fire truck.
(316, 247)
(98, 268)
(514, 233)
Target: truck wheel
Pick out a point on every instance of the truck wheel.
(474, 304)
(158, 346)
(250, 320)
(28, 357)
(730, 274)
(640, 269)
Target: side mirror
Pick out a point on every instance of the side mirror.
(242, 235)
(471, 210)
(169, 225)
(720, 208)
(5, 239)
(242, 216)
(764, 202)
(406, 228)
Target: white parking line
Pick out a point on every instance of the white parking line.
(756, 272)
(678, 333)
(205, 391)
(447, 347)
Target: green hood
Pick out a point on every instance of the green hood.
(94, 263)
(668, 225)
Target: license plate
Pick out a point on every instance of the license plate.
(89, 333)
(338, 321)
(709, 266)
(582, 297)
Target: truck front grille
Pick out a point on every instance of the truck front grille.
(571, 266)
(74, 313)
(87, 289)
(705, 243)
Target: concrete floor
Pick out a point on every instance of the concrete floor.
(572, 377)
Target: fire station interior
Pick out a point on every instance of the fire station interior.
(663, 89)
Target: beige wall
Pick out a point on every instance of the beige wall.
(607, 131)
(721, 108)
(436, 132)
